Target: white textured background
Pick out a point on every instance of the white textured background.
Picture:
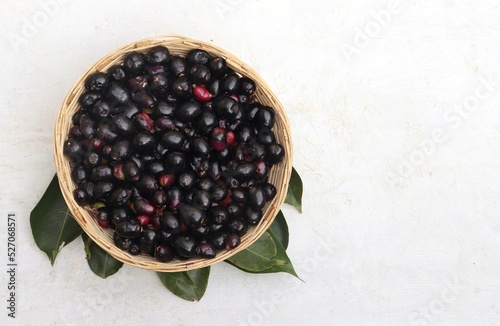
(394, 109)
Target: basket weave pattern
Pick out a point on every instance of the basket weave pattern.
(178, 45)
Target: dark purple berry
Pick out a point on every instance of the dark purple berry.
(158, 55)
(164, 253)
(185, 246)
(206, 250)
(232, 241)
(197, 56)
(129, 229)
(97, 81)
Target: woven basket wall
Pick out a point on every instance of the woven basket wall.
(278, 176)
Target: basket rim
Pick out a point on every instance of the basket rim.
(82, 216)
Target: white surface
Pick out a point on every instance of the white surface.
(381, 241)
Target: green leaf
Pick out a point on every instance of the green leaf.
(257, 257)
(100, 262)
(189, 285)
(280, 229)
(294, 193)
(52, 225)
(282, 261)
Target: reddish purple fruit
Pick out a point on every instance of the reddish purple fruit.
(166, 179)
(143, 219)
(218, 139)
(143, 207)
(103, 224)
(118, 171)
(201, 93)
(143, 122)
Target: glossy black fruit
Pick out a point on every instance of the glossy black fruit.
(122, 242)
(147, 184)
(164, 253)
(159, 198)
(134, 63)
(244, 172)
(87, 126)
(175, 162)
(218, 240)
(102, 173)
(158, 55)
(73, 150)
(226, 107)
(200, 232)
(237, 226)
(206, 250)
(275, 153)
(80, 174)
(134, 249)
(247, 86)
(186, 180)
(202, 199)
(173, 140)
(255, 151)
(89, 98)
(117, 73)
(147, 241)
(253, 215)
(232, 241)
(199, 74)
(81, 197)
(191, 215)
(144, 142)
(121, 150)
(119, 197)
(185, 246)
(217, 66)
(234, 211)
(121, 214)
(144, 99)
(159, 84)
(230, 83)
(103, 189)
(239, 195)
(265, 136)
(181, 87)
(218, 215)
(129, 229)
(200, 146)
(188, 111)
(130, 110)
(106, 131)
(219, 193)
(170, 223)
(265, 117)
(197, 56)
(117, 94)
(206, 122)
(256, 197)
(131, 171)
(97, 81)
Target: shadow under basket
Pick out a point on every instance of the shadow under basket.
(279, 174)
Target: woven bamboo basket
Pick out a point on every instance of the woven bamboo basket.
(278, 176)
